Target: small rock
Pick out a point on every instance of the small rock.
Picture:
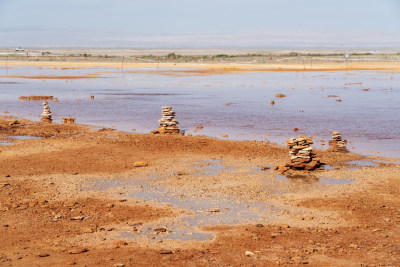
(353, 246)
(259, 225)
(165, 251)
(109, 205)
(249, 253)
(71, 263)
(160, 230)
(140, 164)
(119, 265)
(77, 218)
(86, 230)
(119, 243)
(181, 173)
(43, 255)
(77, 250)
(199, 127)
(265, 168)
(272, 102)
(214, 210)
(280, 95)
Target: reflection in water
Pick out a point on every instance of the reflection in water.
(135, 100)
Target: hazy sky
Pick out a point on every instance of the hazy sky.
(200, 23)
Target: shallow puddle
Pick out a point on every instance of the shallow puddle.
(25, 137)
(5, 143)
(204, 211)
(362, 163)
(215, 167)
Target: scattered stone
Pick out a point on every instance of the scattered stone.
(280, 95)
(68, 120)
(264, 168)
(4, 185)
(43, 255)
(77, 250)
(199, 127)
(259, 225)
(160, 230)
(14, 122)
(301, 154)
(86, 230)
(165, 251)
(140, 164)
(272, 102)
(71, 263)
(181, 173)
(168, 123)
(249, 253)
(337, 143)
(109, 205)
(353, 246)
(119, 265)
(46, 115)
(36, 97)
(296, 129)
(214, 210)
(119, 243)
(92, 97)
(77, 218)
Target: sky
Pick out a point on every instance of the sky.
(200, 24)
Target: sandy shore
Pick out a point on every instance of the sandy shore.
(221, 67)
(73, 196)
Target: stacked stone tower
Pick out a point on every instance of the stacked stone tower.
(337, 143)
(168, 123)
(301, 154)
(46, 115)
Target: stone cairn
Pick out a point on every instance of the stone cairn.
(337, 143)
(46, 115)
(301, 154)
(168, 123)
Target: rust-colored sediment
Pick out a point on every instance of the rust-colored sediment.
(46, 215)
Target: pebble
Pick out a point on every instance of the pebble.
(77, 218)
(77, 250)
(249, 253)
(165, 251)
(140, 164)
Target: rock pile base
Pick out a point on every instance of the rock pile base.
(46, 115)
(301, 154)
(168, 123)
(337, 143)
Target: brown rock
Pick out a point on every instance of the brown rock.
(119, 243)
(280, 95)
(77, 250)
(140, 164)
(165, 251)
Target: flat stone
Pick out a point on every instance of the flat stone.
(140, 164)
(165, 251)
(77, 250)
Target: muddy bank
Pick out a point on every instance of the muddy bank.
(71, 194)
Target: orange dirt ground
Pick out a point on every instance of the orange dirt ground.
(48, 218)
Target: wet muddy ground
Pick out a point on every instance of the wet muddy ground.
(362, 105)
(70, 194)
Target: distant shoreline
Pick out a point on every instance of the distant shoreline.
(212, 67)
